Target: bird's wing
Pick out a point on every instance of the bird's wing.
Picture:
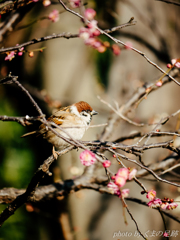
(58, 118)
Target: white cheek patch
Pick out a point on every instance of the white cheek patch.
(86, 119)
(75, 111)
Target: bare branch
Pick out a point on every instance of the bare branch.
(145, 204)
(24, 121)
(122, 43)
(37, 40)
(52, 191)
(13, 79)
(170, 2)
(130, 214)
(118, 112)
(24, 197)
(141, 134)
(130, 23)
(13, 18)
(170, 169)
(160, 166)
(9, 5)
(61, 35)
(146, 168)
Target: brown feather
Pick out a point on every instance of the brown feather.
(83, 106)
(52, 118)
(56, 119)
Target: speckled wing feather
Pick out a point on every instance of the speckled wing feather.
(56, 119)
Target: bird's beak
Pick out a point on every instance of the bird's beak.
(94, 112)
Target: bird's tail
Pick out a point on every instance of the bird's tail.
(27, 134)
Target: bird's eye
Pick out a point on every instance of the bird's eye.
(84, 114)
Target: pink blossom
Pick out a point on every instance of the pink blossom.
(132, 174)
(173, 61)
(169, 206)
(20, 53)
(84, 33)
(89, 14)
(155, 203)
(75, 3)
(35, 0)
(10, 56)
(116, 49)
(159, 83)
(89, 33)
(169, 65)
(96, 44)
(123, 172)
(151, 194)
(106, 163)
(54, 15)
(101, 49)
(125, 193)
(87, 158)
(128, 45)
(172, 206)
(92, 25)
(116, 191)
(96, 32)
(166, 234)
(114, 188)
(176, 62)
(164, 205)
(120, 181)
(93, 28)
(31, 54)
(91, 42)
(21, 49)
(46, 3)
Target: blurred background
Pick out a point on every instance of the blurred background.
(65, 72)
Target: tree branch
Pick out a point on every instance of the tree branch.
(122, 43)
(169, 1)
(14, 17)
(24, 197)
(52, 191)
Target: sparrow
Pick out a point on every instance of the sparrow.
(75, 119)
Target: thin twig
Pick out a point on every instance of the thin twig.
(24, 121)
(37, 40)
(146, 168)
(118, 112)
(164, 222)
(55, 36)
(130, 214)
(141, 134)
(122, 43)
(170, 169)
(30, 97)
(130, 23)
(139, 201)
(170, 2)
